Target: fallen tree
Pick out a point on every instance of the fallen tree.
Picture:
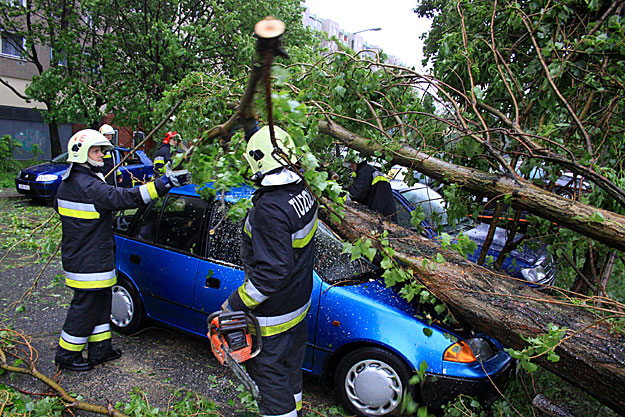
(591, 354)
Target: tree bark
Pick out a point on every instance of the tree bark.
(602, 225)
(592, 355)
(55, 141)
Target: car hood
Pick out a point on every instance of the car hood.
(523, 254)
(47, 168)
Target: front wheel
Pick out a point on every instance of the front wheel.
(127, 316)
(371, 382)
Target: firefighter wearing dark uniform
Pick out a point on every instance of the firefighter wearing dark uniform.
(373, 189)
(85, 203)
(277, 252)
(109, 157)
(164, 154)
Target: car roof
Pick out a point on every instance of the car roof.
(232, 195)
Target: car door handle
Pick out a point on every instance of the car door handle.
(213, 282)
(135, 259)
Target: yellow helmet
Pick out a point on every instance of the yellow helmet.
(79, 144)
(106, 130)
(261, 155)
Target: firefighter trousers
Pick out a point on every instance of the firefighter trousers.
(277, 370)
(87, 321)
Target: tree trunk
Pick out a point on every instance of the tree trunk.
(592, 356)
(602, 225)
(55, 142)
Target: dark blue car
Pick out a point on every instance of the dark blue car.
(178, 260)
(43, 180)
(531, 263)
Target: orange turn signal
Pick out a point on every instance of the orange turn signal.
(459, 352)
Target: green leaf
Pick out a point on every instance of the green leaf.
(428, 332)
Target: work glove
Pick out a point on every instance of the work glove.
(177, 178)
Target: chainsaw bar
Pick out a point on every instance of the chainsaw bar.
(240, 373)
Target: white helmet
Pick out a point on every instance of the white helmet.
(260, 153)
(79, 144)
(107, 130)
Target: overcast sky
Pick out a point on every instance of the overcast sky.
(401, 27)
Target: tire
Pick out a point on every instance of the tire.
(127, 315)
(371, 381)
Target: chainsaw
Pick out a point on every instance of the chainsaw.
(231, 342)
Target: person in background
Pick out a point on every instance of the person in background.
(164, 153)
(372, 188)
(109, 158)
(277, 251)
(85, 203)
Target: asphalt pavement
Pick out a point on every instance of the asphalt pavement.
(157, 360)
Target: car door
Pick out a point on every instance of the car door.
(164, 256)
(220, 272)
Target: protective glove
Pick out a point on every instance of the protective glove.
(177, 178)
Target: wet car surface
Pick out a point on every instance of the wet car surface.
(178, 260)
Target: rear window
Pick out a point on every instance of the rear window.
(181, 224)
(225, 236)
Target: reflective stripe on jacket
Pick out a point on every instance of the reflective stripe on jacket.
(163, 155)
(86, 204)
(373, 189)
(277, 250)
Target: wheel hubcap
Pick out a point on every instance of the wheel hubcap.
(122, 307)
(373, 387)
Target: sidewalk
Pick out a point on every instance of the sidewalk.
(10, 193)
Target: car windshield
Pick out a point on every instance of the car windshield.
(61, 158)
(332, 264)
(434, 208)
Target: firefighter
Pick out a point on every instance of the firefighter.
(164, 153)
(109, 158)
(277, 248)
(373, 189)
(85, 203)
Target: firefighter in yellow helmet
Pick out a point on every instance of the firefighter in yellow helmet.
(85, 203)
(110, 159)
(277, 251)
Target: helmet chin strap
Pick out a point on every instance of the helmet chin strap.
(95, 163)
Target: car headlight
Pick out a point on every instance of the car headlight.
(46, 177)
(543, 273)
(535, 275)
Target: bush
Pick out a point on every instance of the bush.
(7, 162)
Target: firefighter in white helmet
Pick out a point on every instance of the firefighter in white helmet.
(109, 157)
(85, 203)
(277, 251)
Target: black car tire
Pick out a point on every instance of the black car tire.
(127, 315)
(371, 381)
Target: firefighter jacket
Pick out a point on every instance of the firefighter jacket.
(110, 162)
(277, 250)
(162, 157)
(86, 203)
(373, 189)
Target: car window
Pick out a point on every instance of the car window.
(132, 160)
(181, 224)
(331, 263)
(61, 158)
(123, 220)
(431, 203)
(403, 215)
(149, 222)
(225, 236)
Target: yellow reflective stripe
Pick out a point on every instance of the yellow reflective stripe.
(300, 243)
(247, 300)
(70, 346)
(279, 328)
(298, 405)
(378, 179)
(152, 190)
(245, 227)
(108, 155)
(79, 214)
(100, 337)
(90, 284)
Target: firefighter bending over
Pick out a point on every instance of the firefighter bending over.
(372, 189)
(86, 204)
(277, 250)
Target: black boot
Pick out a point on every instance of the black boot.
(111, 356)
(79, 364)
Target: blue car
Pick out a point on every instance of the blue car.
(42, 181)
(533, 264)
(178, 260)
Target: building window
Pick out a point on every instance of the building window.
(12, 45)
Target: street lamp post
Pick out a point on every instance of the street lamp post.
(360, 31)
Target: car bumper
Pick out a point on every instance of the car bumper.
(438, 390)
(36, 189)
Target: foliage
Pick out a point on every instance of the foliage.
(538, 346)
(186, 404)
(7, 145)
(17, 404)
